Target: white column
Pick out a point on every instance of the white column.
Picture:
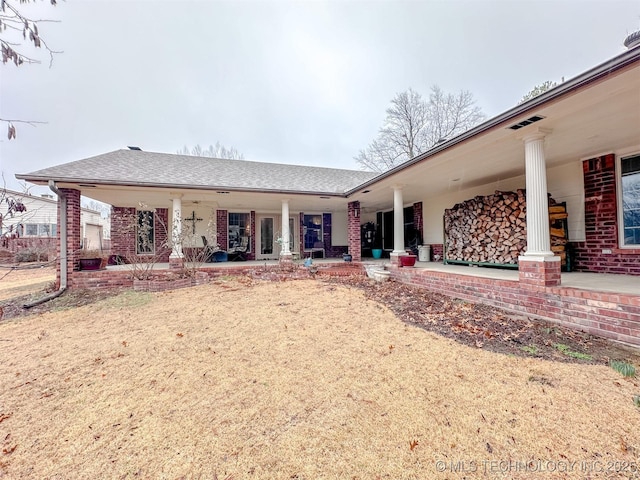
(285, 228)
(176, 228)
(398, 220)
(538, 240)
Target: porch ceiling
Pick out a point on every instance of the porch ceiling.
(600, 118)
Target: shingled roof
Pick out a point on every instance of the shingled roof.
(136, 167)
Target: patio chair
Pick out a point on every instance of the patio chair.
(318, 247)
(210, 250)
(240, 251)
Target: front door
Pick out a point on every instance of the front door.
(267, 246)
(266, 242)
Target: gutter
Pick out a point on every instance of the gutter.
(62, 209)
(596, 73)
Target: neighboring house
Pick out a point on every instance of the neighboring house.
(39, 222)
(579, 142)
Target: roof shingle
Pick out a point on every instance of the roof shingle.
(133, 167)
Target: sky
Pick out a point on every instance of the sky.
(304, 82)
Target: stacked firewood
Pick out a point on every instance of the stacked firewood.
(490, 229)
(558, 229)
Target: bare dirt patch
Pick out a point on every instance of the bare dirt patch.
(300, 379)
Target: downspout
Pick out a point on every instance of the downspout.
(62, 209)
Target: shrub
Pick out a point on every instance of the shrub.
(32, 254)
(623, 368)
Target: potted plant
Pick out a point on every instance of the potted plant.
(376, 251)
(92, 259)
(408, 260)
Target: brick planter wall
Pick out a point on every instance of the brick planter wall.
(609, 315)
(601, 223)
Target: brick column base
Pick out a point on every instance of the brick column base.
(176, 263)
(394, 257)
(539, 272)
(286, 258)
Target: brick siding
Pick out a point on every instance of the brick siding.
(160, 233)
(437, 249)
(222, 227)
(74, 234)
(417, 219)
(123, 235)
(354, 231)
(601, 223)
(123, 231)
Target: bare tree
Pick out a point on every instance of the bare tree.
(450, 115)
(217, 151)
(538, 90)
(16, 29)
(413, 125)
(103, 208)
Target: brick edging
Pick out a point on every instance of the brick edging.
(609, 315)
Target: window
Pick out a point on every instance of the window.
(145, 232)
(630, 182)
(312, 231)
(387, 220)
(239, 226)
(31, 230)
(44, 229)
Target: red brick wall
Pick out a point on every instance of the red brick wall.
(74, 234)
(437, 249)
(123, 231)
(417, 218)
(608, 315)
(222, 226)
(354, 232)
(601, 223)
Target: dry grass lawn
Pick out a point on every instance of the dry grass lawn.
(23, 282)
(291, 380)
